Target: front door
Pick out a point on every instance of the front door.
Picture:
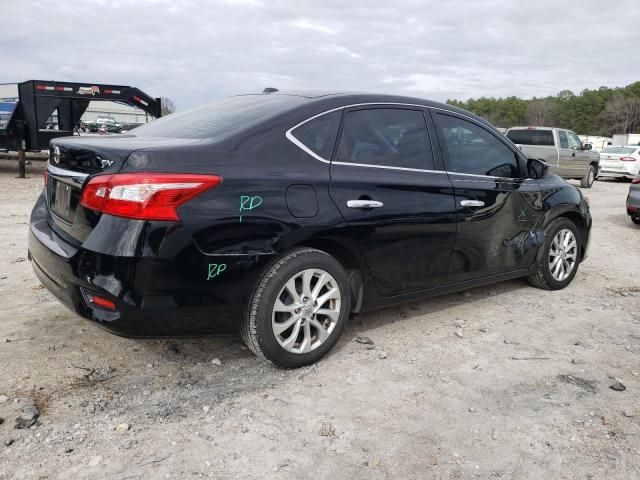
(579, 157)
(496, 206)
(566, 156)
(396, 201)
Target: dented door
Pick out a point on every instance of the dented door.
(500, 236)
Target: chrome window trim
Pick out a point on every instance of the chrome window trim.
(303, 147)
(406, 169)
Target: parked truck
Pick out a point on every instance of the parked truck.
(561, 149)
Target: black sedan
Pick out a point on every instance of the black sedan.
(279, 215)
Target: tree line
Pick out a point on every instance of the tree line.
(604, 111)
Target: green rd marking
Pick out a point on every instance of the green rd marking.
(216, 269)
(248, 203)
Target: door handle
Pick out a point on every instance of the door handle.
(364, 204)
(472, 203)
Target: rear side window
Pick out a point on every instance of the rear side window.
(531, 137)
(386, 137)
(473, 150)
(564, 141)
(319, 134)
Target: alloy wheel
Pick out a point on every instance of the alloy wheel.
(306, 311)
(563, 255)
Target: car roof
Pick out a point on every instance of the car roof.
(533, 127)
(349, 95)
(326, 100)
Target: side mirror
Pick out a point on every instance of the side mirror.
(587, 146)
(537, 168)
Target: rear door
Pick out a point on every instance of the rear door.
(496, 206)
(397, 202)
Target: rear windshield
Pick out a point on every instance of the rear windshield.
(626, 150)
(531, 137)
(219, 119)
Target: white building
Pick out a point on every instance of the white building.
(123, 114)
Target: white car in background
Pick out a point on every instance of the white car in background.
(620, 162)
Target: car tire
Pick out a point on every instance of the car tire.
(636, 220)
(286, 332)
(589, 177)
(548, 274)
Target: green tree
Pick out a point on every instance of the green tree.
(591, 112)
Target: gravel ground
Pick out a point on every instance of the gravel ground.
(499, 382)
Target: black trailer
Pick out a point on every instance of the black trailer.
(26, 126)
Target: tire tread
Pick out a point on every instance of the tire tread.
(584, 181)
(248, 328)
(538, 278)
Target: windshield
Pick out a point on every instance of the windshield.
(531, 137)
(221, 118)
(624, 150)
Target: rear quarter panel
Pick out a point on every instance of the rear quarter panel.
(255, 210)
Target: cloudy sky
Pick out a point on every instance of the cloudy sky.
(193, 51)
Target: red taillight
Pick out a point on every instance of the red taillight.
(94, 300)
(627, 159)
(636, 180)
(144, 196)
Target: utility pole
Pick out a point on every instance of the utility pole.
(22, 170)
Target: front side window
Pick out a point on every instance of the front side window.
(574, 141)
(319, 134)
(386, 137)
(562, 136)
(473, 150)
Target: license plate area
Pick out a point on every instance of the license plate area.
(64, 199)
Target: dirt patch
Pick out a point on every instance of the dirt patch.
(499, 382)
(586, 385)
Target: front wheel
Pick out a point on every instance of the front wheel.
(298, 310)
(589, 177)
(560, 256)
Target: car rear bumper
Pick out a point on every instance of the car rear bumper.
(154, 296)
(615, 175)
(618, 171)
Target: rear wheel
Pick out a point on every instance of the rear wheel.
(636, 220)
(560, 257)
(589, 177)
(298, 309)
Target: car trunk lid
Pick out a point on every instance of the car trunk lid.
(72, 160)
(612, 160)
